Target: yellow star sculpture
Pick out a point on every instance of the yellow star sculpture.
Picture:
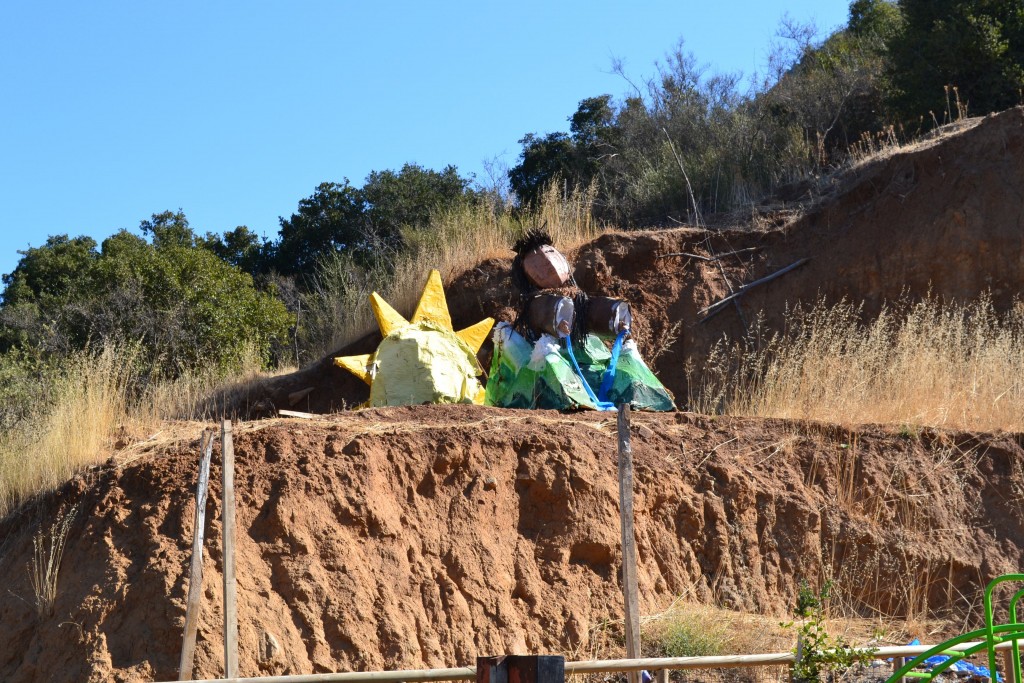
(423, 360)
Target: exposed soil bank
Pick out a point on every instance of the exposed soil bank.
(944, 218)
(410, 537)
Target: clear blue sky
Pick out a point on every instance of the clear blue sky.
(233, 112)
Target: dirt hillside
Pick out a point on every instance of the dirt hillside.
(944, 217)
(427, 536)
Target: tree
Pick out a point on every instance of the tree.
(409, 198)
(49, 271)
(184, 305)
(241, 248)
(332, 219)
(975, 46)
(366, 223)
(169, 229)
(574, 158)
(835, 90)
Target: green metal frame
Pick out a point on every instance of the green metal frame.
(991, 635)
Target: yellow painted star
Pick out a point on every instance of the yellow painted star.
(423, 360)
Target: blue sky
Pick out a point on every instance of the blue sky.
(233, 112)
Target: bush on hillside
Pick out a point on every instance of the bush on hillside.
(184, 305)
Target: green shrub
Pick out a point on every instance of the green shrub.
(686, 637)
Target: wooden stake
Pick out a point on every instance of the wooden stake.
(230, 609)
(629, 582)
(195, 579)
(897, 664)
(719, 305)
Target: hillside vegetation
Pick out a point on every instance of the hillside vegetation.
(151, 324)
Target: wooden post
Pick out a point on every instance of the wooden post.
(195, 579)
(661, 676)
(521, 669)
(897, 664)
(230, 609)
(1009, 675)
(629, 581)
(798, 656)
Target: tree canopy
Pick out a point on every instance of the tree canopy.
(366, 222)
(688, 140)
(187, 307)
(975, 46)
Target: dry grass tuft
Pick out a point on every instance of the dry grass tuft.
(942, 365)
(95, 401)
(691, 629)
(458, 240)
(48, 551)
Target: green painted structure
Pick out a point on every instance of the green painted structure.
(991, 635)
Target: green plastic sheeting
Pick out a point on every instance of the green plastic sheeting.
(541, 375)
(424, 363)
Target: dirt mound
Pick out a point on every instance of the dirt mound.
(944, 218)
(426, 536)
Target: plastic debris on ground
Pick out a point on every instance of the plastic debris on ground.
(959, 667)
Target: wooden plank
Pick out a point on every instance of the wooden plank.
(717, 307)
(230, 609)
(195, 579)
(296, 413)
(629, 581)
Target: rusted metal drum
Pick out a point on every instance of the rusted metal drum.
(546, 267)
(607, 317)
(552, 314)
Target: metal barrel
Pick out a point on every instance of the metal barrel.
(552, 314)
(606, 317)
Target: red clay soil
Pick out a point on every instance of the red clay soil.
(425, 536)
(944, 217)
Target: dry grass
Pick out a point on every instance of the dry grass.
(88, 402)
(47, 553)
(95, 400)
(688, 629)
(457, 241)
(955, 366)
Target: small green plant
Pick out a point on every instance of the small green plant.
(808, 601)
(820, 656)
(685, 638)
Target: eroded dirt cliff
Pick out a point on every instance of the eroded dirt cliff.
(409, 537)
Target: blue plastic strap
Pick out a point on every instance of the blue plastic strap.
(609, 375)
(600, 405)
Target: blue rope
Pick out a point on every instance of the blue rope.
(609, 375)
(600, 405)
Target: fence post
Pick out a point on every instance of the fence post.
(897, 664)
(230, 609)
(195, 579)
(798, 656)
(521, 669)
(629, 582)
(1009, 675)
